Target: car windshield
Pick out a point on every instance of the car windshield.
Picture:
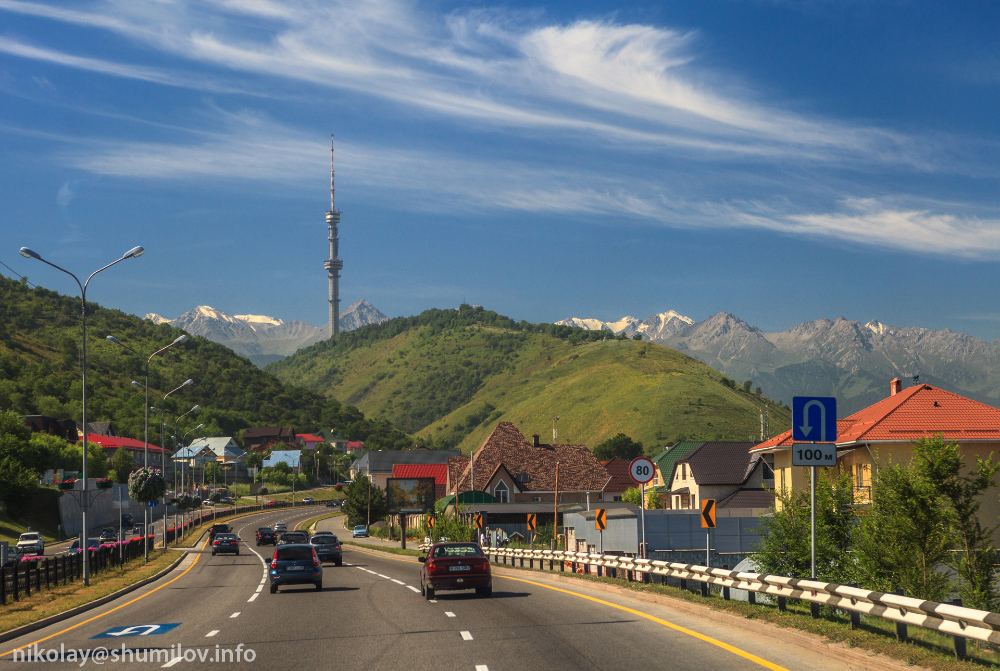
(28, 537)
(469, 550)
(323, 540)
(293, 553)
(360, 527)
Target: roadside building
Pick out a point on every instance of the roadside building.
(666, 463)
(437, 471)
(308, 441)
(884, 433)
(60, 428)
(514, 470)
(618, 470)
(378, 465)
(226, 453)
(718, 470)
(288, 457)
(136, 448)
(264, 438)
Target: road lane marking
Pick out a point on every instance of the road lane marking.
(255, 595)
(398, 582)
(466, 636)
(197, 556)
(173, 661)
(433, 601)
(684, 630)
(236, 614)
(414, 589)
(449, 613)
(482, 667)
(383, 576)
(212, 633)
(260, 586)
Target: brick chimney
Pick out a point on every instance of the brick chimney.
(895, 386)
(534, 440)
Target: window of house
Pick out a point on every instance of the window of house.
(684, 471)
(501, 492)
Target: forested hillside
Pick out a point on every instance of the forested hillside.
(448, 376)
(40, 374)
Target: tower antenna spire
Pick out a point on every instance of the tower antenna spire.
(332, 207)
(333, 264)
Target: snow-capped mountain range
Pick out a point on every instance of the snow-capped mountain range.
(264, 339)
(840, 357)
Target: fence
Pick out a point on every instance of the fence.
(20, 578)
(951, 619)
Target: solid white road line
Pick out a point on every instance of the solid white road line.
(255, 595)
(236, 614)
(398, 582)
(449, 613)
(212, 633)
(414, 589)
(382, 576)
(466, 636)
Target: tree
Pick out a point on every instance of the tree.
(784, 545)
(122, 464)
(637, 336)
(213, 473)
(255, 460)
(357, 498)
(653, 500)
(619, 446)
(633, 495)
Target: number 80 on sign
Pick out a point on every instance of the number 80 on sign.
(642, 470)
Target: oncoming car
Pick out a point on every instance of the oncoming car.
(454, 566)
(295, 564)
(360, 531)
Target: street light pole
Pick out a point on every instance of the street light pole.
(133, 253)
(145, 451)
(163, 455)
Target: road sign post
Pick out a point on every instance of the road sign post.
(812, 455)
(601, 522)
(532, 525)
(642, 470)
(708, 523)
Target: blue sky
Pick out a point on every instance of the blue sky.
(784, 161)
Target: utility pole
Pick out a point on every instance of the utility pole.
(555, 513)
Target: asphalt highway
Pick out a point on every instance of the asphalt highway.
(370, 615)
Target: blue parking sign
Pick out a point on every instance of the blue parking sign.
(814, 418)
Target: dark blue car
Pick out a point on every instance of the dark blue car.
(295, 564)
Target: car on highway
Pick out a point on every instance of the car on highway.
(455, 566)
(328, 548)
(108, 535)
(295, 564)
(281, 526)
(225, 542)
(332, 503)
(308, 499)
(290, 537)
(92, 543)
(138, 529)
(266, 536)
(360, 531)
(226, 500)
(220, 528)
(30, 543)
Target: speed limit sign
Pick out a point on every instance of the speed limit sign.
(642, 470)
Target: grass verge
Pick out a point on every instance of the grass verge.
(305, 524)
(391, 550)
(925, 647)
(60, 599)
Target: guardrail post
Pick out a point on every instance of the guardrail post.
(47, 566)
(855, 615)
(782, 604)
(684, 583)
(65, 574)
(901, 633)
(751, 596)
(550, 564)
(16, 596)
(38, 576)
(704, 589)
(814, 610)
(725, 592)
(960, 651)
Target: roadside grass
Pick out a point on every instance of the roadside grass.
(391, 550)
(924, 647)
(305, 524)
(60, 599)
(42, 515)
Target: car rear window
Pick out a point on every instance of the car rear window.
(226, 537)
(287, 554)
(323, 540)
(470, 550)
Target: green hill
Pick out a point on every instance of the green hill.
(40, 374)
(448, 376)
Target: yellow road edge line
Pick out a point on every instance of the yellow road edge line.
(707, 639)
(702, 637)
(108, 612)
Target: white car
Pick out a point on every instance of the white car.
(280, 526)
(31, 543)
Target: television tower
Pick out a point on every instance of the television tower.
(333, 265)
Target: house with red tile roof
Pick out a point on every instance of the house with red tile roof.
(136, 448)
(884, 433)
(515, 470)
(308, 441)
(620, 480)
(437, 471)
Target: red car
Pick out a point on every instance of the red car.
(453, 566)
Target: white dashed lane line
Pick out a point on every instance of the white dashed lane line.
(466, 636)
(173, 661)
(413, 588)
(212, 633)
(236, 614)
(256, 594)
(398, 582)
(482, 667)
(449, 613)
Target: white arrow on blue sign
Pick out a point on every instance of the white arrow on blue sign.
(814, 418)
(138, 630)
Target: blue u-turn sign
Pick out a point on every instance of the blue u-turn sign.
(814, 418)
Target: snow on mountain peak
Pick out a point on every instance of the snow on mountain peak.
(260, 319)
(876, 327)
(156, 319)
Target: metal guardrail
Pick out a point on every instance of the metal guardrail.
(946, 618)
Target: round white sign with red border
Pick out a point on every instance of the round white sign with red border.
(642, 470)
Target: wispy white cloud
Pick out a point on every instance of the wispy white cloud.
(605, 81)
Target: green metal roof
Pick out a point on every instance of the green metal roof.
(464, 498)
(667, 460)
